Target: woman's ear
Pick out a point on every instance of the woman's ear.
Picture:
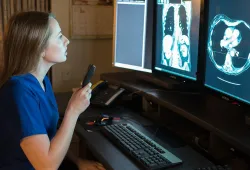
(43, 54)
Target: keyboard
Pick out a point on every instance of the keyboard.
(147, 153)
(217, 167)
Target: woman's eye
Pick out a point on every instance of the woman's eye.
(60, 36)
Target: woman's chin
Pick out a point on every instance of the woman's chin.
(63, 59)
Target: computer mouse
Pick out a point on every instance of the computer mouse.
(103, 120)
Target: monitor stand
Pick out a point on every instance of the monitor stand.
(168, 83)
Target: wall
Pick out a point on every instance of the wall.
(80, 54)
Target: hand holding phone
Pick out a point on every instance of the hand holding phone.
(88, 75)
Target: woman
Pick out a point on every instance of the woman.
(28, 110)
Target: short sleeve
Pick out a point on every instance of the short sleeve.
(27, 107)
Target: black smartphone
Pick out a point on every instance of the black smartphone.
(88, 75)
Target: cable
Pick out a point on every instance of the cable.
(141, 91)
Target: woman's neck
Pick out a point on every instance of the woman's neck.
(40, 73)
(40, 77)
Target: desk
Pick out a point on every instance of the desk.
(217, 116)
(111, 156)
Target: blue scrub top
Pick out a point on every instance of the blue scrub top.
(25, 110)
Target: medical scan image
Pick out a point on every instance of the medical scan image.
(228, 49)
(228, 44)
(176, 23)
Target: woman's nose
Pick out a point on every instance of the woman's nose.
(66, 41)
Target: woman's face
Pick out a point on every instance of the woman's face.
(56, 49)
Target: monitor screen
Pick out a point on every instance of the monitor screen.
(227, 52)
(177, 37)
(133, 35)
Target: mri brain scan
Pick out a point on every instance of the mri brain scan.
(228, 45)
(176, 35)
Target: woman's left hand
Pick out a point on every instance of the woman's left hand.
(89, 165)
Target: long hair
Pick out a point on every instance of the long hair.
(25, 39)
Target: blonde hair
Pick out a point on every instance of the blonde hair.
(26, 37)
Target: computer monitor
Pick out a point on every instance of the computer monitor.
(227, 52)
(132, 38)
(176, 38)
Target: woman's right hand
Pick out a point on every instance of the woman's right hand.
(79, 101)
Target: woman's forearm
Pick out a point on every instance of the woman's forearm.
(61, 142)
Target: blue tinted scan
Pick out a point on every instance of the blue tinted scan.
(226, 46)
(176, 23)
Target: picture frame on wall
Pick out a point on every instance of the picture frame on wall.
(91, 19)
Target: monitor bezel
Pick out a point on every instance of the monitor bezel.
(114, 38)
(208, 90)
(200, 59)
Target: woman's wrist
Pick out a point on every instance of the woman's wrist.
(72, 113)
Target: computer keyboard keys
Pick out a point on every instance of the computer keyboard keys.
(148, 153)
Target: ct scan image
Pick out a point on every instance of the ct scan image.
(228, 49)
(176, 23)
(227, 44)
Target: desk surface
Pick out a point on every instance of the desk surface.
(217, 116)
(111, 156)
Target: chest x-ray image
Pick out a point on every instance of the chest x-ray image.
(228, 45)
(176, 23)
